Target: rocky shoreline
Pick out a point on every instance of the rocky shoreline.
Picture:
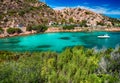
(55, 29)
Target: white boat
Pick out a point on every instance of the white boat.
(104, 36)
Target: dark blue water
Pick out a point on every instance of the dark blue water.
(59, 41)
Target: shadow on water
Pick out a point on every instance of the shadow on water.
(74, 36)
(89, 40)
(65, 38)
(10, 42)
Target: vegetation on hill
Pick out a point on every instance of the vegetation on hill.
(14, 30)
(68, 27)
(38, 28)
(115, 22)
(1, 30)
(26, 12)
(83, 23)
(34, 12)
(77, 16)
(74, 65)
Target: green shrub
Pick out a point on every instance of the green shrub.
(114, 21)
(1, 16)
(29, 28)
(1, 30)
(74, 65)
(40, 28)
(83, 23)
(87, 13)
(69, 27)
(21, 12)
(100, 23)
(13, 30)
(18, 30)
(10, 30)
(12, 12)
(71, 20)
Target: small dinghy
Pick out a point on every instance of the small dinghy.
(104, 36)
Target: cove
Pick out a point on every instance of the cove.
(59, 41)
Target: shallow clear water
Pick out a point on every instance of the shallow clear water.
(59, 41)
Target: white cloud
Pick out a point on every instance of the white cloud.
(96, 9)
(114, 12)
(58, 8)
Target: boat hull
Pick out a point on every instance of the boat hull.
(103, 36)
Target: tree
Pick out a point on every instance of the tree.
(10, 31)
(100, 23)
(83, 23)
(73, 65)
(63, 21)
(29, 28)
(13, 30)
(71, 20)
(69, 27)
(18, 30)
(1, 30)
(38, 28)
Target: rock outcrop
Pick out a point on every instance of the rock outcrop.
(25, 12)
(77, 15)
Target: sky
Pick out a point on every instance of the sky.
(108, 7)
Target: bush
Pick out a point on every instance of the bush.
(29, 28)
(73, 65)
(83, 23)
(100, 23)
(10, 30)
(13, 30)
(87, 13)
(71, 20)
(1, 17)
(1, 30)
(12, 12)
(17, 30)
(22, 12)
(114, 21)
(38, 28)
(69, 27)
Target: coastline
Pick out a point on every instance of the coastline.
(54, 29)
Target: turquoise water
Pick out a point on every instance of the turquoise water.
(59, 41)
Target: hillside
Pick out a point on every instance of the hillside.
(32, 12)
(78, 15)
(25, 12)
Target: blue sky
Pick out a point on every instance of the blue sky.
(107, 7)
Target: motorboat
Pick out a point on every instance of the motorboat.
(104, 36)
